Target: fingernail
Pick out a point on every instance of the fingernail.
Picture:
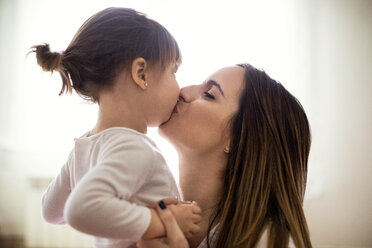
(162, 205)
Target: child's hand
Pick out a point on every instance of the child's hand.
(188, 215)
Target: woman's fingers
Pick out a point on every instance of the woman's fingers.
(195, 229)
(167, 201)
(197, 218)
(158, 243)
(196, 209)
(175, 237)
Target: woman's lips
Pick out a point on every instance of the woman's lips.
(175, 110)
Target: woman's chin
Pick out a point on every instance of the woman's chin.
(165, 130)
(165, 122)
(169, 128)
(162, 129)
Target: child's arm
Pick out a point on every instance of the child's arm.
(175, 236)
(187, 216)
(55, 197)
(102, 204)
(156, 228)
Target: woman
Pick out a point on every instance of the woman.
(243, 142)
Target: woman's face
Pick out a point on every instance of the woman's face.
(200, 118)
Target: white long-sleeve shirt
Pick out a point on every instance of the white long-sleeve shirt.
(105, 184)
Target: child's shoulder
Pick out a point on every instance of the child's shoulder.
(128, 144)
(123, 133)
(125, 137)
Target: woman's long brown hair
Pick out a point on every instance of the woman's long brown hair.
(266, 172)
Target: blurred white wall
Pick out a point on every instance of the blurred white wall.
(340, 67)
(321, 50)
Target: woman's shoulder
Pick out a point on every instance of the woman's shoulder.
(212, 238)
(261, 244)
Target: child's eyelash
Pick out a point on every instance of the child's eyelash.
(206, 94)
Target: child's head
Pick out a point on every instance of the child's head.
(105, 45)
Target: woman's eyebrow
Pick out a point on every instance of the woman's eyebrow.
(214, 83)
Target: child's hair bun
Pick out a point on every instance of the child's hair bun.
(49, 61)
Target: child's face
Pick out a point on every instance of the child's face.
(164, 91)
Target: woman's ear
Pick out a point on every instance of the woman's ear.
(140, 72)
(226, 149)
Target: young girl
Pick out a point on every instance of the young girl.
(126, 63)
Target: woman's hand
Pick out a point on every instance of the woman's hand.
(188, 216)
(174, 237)
(186, 213)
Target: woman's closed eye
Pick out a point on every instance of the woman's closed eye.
(208, 95)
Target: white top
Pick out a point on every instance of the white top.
(261, 244)
(106, 183)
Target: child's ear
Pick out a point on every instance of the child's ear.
(140, 72)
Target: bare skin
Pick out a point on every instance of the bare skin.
(198, 131)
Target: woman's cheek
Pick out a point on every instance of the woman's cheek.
(204, 132)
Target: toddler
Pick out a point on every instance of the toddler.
(126, 63)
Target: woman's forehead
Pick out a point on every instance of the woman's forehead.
(230, 78)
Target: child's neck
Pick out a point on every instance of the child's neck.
(115, 111)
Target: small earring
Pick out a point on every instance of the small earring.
(227, 149)
(146, 84)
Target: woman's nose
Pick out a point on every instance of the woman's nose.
(188, 94)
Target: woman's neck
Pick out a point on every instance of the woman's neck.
(201, 181)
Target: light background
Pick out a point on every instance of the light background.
(320, 50)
